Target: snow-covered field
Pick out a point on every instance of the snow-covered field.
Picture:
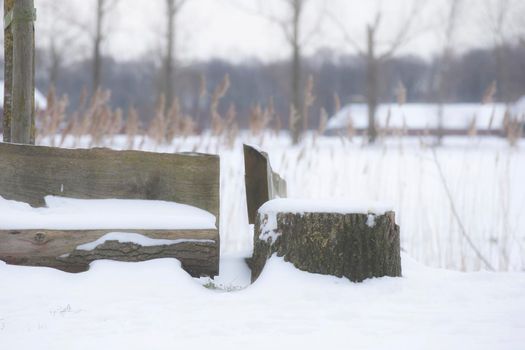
(156, 305)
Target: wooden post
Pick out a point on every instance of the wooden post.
(262, 183)
(33, 85)
(8, 70)
(23, 71)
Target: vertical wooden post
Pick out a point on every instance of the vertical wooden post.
(23, 71)
(8, 69)
(33, 86)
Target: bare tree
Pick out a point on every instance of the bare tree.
(103, 8)
(173, 8)
(64, 29)
(453, 12)
(504, 20)
(375, 54)
(297, 36)
(293, 33)
(498, 15)
(59, 37)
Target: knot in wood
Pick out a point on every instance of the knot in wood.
(40, 237)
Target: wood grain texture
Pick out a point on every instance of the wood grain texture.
(262, 183)
(29, 173)
(57, 249)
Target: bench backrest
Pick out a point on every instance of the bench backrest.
(262, 183)
(29, 173)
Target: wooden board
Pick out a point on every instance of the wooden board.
(262, 183)
(29, 173)
(55, 248)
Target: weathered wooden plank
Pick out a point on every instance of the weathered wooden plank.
(262, 184)
(57, 249)
(29, 173)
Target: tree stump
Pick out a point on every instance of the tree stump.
(355, 246)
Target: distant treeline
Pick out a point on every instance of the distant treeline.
(136, 83)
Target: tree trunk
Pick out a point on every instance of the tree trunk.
(355, 246)
(23, 72)
(297, 116)
(8, 73)
(441, 93)
(170, 44)
(372, 77)
(502, 72)
(54, 68)
(97, 42)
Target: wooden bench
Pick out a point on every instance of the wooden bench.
(30, 173)
(326, 237)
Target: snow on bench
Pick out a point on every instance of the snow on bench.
(56, 200)
(103, 214)
(137, 239)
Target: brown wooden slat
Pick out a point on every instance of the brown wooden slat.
(262, 183)
(50, 247)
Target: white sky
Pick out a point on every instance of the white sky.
(232, 30)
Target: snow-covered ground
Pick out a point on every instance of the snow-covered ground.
(156, 305)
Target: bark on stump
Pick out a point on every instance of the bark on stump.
(355, 246)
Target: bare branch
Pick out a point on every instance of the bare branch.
(109, 5)
(456, 214)
(286, 22)
(317, 27)
(453, 15)
(176, 6)
(406, 34)
(377, 21)
(346, 36)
